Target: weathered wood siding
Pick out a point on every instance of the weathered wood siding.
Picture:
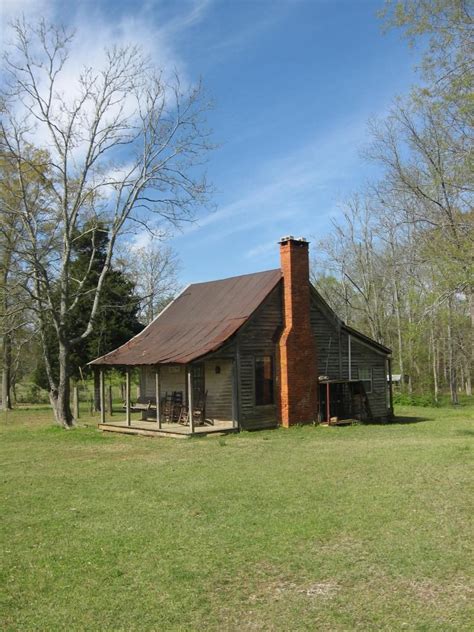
(327, 339)
(258, 337)
(332, 345)
(219, 389)
(172, 378)
(362, 357)
(218, 385)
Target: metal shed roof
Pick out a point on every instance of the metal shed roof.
(197, 322)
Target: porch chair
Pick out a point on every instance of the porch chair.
(166, 407)
(199, 412)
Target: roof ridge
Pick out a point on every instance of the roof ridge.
(237, 276)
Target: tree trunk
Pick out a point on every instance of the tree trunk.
(6, 373)
(435, 365)
(470, 349)
(60, 397)
(410, 351)
(452, 368)
(399, 334)
(7, 337)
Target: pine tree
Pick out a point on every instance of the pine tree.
(117, 315)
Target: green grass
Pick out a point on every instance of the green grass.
(356, 528)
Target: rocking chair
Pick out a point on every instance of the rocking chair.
(199, 411)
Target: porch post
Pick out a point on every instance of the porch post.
(328, 406)
(190, 400)
(235, 407)
(157, 396)
(102, 396)
(390, 385)
(127, 397)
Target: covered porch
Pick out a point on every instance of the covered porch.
(151, 429)
(199, 398)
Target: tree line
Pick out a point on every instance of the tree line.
(398, 264)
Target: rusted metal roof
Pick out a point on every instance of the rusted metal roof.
(200, 320)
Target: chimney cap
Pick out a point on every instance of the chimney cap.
(301, 240)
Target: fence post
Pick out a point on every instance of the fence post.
(127, 400)
(75, 402)
(110, 400)
(102, 396)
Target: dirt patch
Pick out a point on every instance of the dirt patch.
(274, 590)
(437, 593)
(320, 590)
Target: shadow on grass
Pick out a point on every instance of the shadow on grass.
(397, 420)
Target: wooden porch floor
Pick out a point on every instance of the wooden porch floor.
(150, 428)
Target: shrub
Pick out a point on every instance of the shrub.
(33, 394)
(405, 399)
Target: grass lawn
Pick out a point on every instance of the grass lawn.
(356, 528)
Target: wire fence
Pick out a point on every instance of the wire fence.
(85, 398)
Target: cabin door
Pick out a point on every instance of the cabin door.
(199, 385)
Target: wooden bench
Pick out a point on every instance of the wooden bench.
(141, 407)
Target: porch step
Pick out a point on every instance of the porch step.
(161, 433)
(141, 431)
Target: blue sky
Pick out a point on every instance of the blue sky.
(294, 83)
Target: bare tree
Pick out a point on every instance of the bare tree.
(354, 255)
(124, 148)
(15, 313)
(406, 245)
(154, 270)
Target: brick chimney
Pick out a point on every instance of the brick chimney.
(298, 368)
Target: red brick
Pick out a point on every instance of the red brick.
(298, 376)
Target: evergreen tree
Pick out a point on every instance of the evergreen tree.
(116, 320)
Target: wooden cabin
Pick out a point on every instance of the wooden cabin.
(251, 352)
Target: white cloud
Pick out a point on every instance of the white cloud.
(97, 30)
(33, 9)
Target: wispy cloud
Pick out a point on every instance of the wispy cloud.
(96, 32)
(12, 9)
(261, 249)
(193, 13)
(97, 29)
(239, 39)
(286, 185)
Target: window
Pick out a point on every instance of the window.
(264, 381)
(365, 376)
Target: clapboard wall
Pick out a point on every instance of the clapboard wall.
(365, 357)
(218, 378)
(332, 347)
(327, 335)
(258, 337)
(172, 378)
